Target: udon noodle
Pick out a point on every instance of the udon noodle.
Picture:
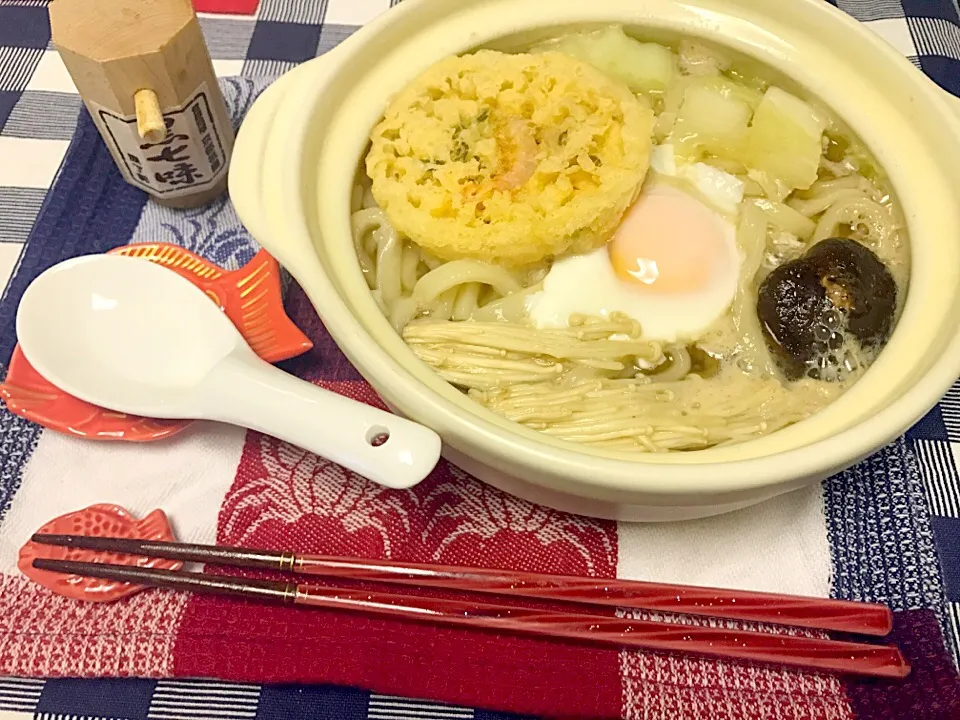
(599, 381)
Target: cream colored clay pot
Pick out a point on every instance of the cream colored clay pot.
(298, 151)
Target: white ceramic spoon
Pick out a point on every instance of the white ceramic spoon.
(134, 337)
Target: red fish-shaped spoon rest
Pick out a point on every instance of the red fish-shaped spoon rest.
(250, 297)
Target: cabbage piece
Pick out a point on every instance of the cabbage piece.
(784, 139)
(728, 88)
(712, 122)
(643, 67)
(713, 187)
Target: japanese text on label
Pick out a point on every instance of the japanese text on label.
(189, 158)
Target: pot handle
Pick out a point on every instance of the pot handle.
(245, 178)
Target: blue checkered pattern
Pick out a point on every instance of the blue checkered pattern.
(29, 699)
(38, 110)
(928, 33)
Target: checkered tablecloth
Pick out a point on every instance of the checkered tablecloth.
(38, 113)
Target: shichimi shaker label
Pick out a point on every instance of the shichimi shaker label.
(189, 158)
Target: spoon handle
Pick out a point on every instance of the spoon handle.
(385, 448)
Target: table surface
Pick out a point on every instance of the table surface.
(38, 110)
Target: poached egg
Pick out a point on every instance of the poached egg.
(673, 264)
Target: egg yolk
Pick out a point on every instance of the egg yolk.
(667, 242)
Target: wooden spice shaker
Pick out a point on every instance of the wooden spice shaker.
(144, 73)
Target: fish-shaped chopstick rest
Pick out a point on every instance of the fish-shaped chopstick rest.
(100, 520)
(250, 297)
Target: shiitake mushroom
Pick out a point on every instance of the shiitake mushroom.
(813, 309)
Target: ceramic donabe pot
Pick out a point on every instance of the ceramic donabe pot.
(299, 149)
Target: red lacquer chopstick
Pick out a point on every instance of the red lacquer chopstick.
(795, 610)
(795, 651)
